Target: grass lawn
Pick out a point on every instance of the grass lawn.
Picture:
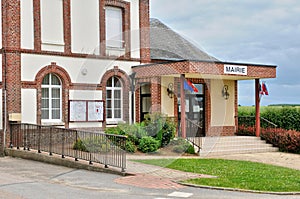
(236, 174)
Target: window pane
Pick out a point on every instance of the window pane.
(45, 93)
(108, 113)
(117, 103)
(54, 80)
(45, 103)
(108, 94)
(117, 113)
(108, 104)
(146, 104)
(113, 18)
(55, 93)
(55, 114)
(45, 114)
(46, 80)
(145, 89)
(117, 94)
(55, 103)
(109, 82)
(117, 82)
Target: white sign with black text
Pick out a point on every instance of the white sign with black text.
(235, 70)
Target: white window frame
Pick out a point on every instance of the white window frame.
(112, 89)
(50, 87)
(114, 41)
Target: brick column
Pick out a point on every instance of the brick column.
(155, 95)
(11, 60)
(144, 18)
(67, 25)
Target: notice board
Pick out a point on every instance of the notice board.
(86, 111)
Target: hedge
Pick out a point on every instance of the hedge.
(286, 141)
(284, 117)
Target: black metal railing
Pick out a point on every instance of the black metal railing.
(95, 147)
(194, 133)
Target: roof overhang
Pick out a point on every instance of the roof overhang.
(206, 70)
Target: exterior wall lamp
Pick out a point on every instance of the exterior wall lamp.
(225, 92)
(170, 90)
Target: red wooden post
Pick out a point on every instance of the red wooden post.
(257, 108)
(182, 108)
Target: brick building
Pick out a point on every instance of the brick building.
(92, 64)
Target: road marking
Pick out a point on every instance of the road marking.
(180, 194)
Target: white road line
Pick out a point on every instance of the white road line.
(180, 194)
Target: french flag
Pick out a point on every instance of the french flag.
(263, 89)
(188, 85)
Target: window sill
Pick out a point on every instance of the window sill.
(58, 124)
(114, 122)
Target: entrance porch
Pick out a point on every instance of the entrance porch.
(208, 105)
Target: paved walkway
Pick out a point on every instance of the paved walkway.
(162, 178)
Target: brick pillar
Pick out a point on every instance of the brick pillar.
(144, 18)
(11, 62)
(67, 26)
(155, 95)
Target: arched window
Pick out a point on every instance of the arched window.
(51, 99)
(114, 99)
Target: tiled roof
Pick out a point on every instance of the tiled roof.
(166, 44)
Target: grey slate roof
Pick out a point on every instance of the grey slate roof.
(166, 44)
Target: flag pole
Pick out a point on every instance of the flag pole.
(257, 108)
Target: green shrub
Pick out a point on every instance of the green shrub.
(285, 140)
(287, 117)
(148, 144)
(130, 147)
(181, 145)
(92, 144)
(78, 145)
(160, 127)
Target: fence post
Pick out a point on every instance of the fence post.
(63, 145)
(50, 142)
(39, 139)
(76, 141)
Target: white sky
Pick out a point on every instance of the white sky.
(247, 31)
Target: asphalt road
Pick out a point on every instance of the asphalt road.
(34, 180)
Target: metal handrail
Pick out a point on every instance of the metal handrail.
(91, 146)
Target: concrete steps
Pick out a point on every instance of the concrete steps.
(216, 146)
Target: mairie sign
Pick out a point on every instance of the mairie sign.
(235, 70)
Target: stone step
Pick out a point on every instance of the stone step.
(212, 146)
(236, 151)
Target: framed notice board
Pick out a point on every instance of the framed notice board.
(86, 111)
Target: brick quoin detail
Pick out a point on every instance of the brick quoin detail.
(11, 62)
(144, 18)
(66, 82)
(124, 78)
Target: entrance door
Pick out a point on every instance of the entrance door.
(194, 110)
(145, 102)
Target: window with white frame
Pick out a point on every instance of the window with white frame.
(113, 99)
(51, 99)
(114, 27)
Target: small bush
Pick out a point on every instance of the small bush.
(285, 140)
(130, 147)
(148, 144)
(181, 145)
(244, 130)
(94, 145)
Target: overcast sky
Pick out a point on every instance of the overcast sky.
(247, 31)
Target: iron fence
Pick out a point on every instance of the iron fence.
(95, 147)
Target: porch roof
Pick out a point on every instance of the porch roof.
(206, 70)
